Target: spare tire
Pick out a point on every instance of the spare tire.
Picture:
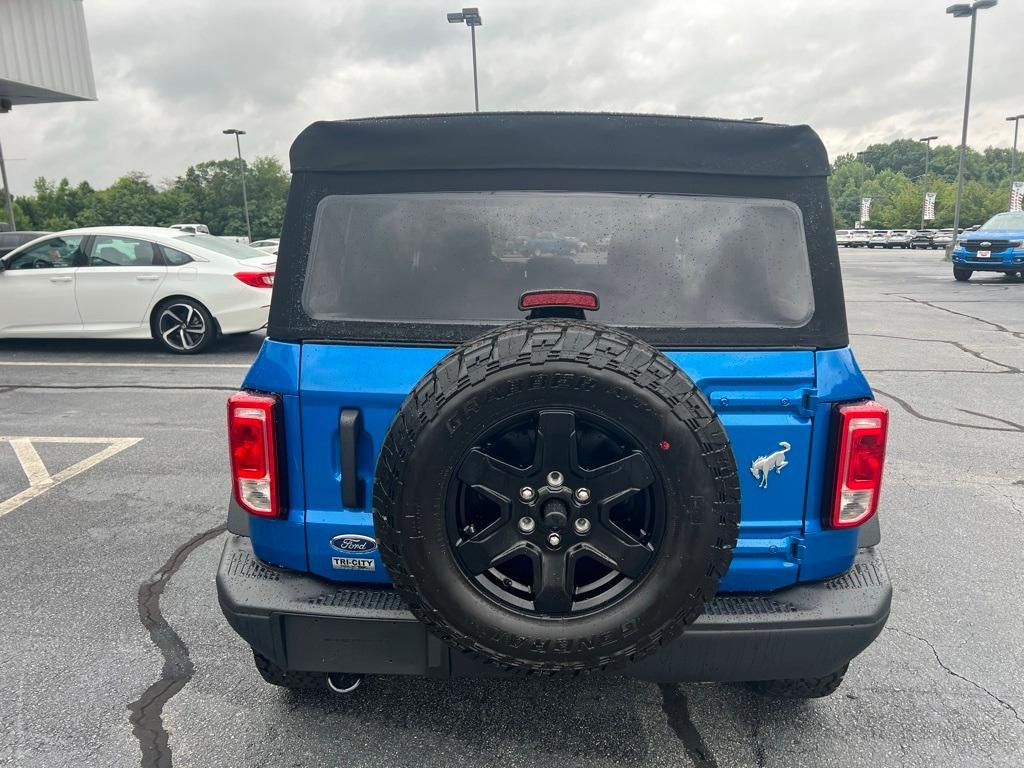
(556, 496)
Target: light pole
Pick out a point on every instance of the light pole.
(471, 16)
(241, 166)
(860, 188)
(7, 191)
(1013, 154)
(959, 11)
(927, 151)
(5, 107)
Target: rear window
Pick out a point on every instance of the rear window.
(653, 260)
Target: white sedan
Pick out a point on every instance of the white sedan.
(180, 288)
(270, 245)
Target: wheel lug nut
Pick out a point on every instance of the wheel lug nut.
(582, 525)
(582, 495)
(554, 539)
(526, 493)
(527, 524)
(555, 479)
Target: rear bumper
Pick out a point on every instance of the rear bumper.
(304, 623)
(245, 317)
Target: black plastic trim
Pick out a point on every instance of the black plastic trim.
(301, 622)
(870, 533)
(350, 424)
(238, 518)
(999, 267)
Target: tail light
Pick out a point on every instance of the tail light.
(252, 441)
(859, 449)
(257, 279)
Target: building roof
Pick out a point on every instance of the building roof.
(44, 52)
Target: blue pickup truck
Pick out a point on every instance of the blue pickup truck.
(660, 460)
(997, 247)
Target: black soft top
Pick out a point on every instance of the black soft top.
(559, 152)
(560, 140)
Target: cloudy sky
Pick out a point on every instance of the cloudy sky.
(171, 75)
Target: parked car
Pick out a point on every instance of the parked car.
(858, 238)
(942, 238)
(179, 288)
(843, 237)
(996, 246)
(269, 245)
(878, 238)
(899, 238)
(11, 240)
(450, 461)
(923, 238)
(552, 243)
(195, 229)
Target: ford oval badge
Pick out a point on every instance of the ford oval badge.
(354, 544)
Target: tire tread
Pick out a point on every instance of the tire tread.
(534, 343)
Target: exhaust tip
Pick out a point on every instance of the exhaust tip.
(341, 682)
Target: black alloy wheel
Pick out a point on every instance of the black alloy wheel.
(555, 512)
(556, 496)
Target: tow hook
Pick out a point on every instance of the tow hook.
(342, 682)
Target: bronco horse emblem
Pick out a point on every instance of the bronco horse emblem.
(764, 464)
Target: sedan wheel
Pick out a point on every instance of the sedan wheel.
(183, 327)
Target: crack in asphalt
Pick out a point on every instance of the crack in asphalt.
(677, 713)
(959, 345)
(933, 370)
(997, 326)
(1012, 426)
(199, 387)
(147, 711)
(760, 754)
(954, 673)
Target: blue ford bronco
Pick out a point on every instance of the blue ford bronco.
(997, 247)
(652, 454)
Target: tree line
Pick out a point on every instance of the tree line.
(892, 175)
(211, 193)
(207, 193)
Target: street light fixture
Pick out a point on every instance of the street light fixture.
(241, 166)
(927, 151)
(959, 11)
(471, 17)
(1013, 154)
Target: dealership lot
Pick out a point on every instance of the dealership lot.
(112, 645)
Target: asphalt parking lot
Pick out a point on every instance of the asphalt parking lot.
(113, 649)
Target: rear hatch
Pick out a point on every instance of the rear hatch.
(659, 264)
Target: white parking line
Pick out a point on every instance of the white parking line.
(58, 364)
(39, 478)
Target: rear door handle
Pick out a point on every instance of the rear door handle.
(65, 279)
(147, 278)
(349, 426)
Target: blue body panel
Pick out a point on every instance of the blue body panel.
(827, 552)
(763, 398)
(1009, 259)
(282, 541)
